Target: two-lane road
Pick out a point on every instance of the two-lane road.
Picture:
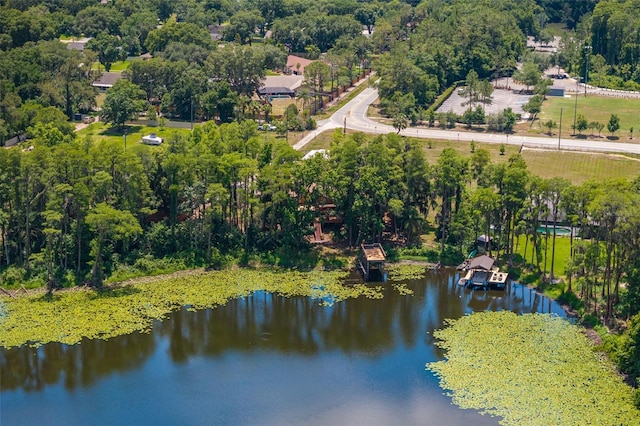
(355, 114)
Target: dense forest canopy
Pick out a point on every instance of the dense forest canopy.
(421, 48)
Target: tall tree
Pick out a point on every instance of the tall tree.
(110, 226)
(123, 101)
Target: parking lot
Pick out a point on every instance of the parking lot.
(501, 99)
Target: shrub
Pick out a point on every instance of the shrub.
(219, 260)
(570, 299)
(589, 320)
(12, 276)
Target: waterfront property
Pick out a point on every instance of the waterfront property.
(481, 273)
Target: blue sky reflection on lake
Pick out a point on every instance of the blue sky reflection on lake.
(261, 360)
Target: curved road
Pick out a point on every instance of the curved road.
(353, 115)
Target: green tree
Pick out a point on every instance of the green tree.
(529, 75)
(243, 67)
(123, 102)
(550, 125)
(110, 226)
(93, 20)
(581, 124)
(450, 172)
(108, 48)
(614, 124)
(400, 122)
(242, 26)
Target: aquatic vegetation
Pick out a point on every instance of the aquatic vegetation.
(532, 369)
(68, 317)
(402, 289)
(406, 271)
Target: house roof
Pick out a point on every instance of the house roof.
(289, 83)
(107, 79)
(293, 61)
(276, 91)
(481, 262)
(76, 43)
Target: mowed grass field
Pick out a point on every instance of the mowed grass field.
(579, 167)
(99, 132)
(594, 108)
(562, 254)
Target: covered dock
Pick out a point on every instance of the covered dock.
(481, 273)
(372, 260)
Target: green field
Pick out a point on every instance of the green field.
(563, 252)
(103, 132)
(579, 167)
(115, 67)
(594, 108)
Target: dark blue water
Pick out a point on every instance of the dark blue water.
(261, 360)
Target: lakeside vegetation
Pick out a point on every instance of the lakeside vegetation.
(70, 316)
(553, 377)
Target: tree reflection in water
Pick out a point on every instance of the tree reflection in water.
(269, 322)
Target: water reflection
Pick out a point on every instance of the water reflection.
(268, 323)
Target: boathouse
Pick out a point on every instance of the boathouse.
(372, 261)
(482, 273)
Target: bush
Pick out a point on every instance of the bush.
(443, 97)
(219, 260)
(589, 321)
(310, 123)
(12, 276)
(570, 299)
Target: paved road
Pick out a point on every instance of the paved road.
(355, 114)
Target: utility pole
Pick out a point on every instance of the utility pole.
(560, 129)
(125, 137)
(575, 110)
(587, 50)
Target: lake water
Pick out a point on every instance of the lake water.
(261, 360)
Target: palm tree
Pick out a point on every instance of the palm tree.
(305, 94)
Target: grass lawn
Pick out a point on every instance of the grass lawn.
(594, 108)
(556, 29)
(563, 252)
(115, 67)
(105, 132)
(579, 167)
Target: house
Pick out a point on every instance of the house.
(106, 80)
(215, 32)
(280, 86)
(76, 44)
(296, 64)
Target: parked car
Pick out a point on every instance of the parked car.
(267, 126)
